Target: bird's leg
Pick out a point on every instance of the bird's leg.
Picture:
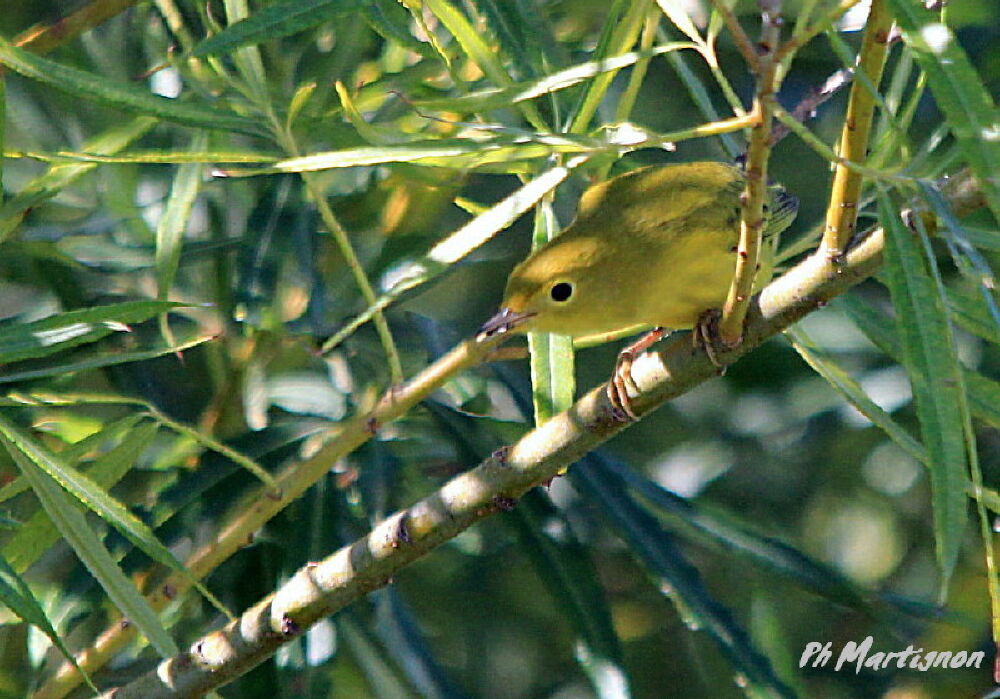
(621, 380)
(705, 336)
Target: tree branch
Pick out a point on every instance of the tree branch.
(261, 504)
(767, 78)
(323, 588)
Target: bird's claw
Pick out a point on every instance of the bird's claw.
(620, 385)
(705, 336)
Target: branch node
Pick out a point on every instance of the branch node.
(502, 503)
(500, 455)
(289, 627)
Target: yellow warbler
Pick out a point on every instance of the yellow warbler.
(653, 247)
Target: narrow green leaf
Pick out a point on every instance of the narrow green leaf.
(972, 313)
(111, 466)
(935, 374)
(277, 20)
(174, 219)
(553, 384)
(878, 327)
(723, 529)
(376, 135)
(959, 91)
(57, 177)
(983, 238)
(552, 380)
(98, 500)
(523, 32)
(449, 153)
(774, 637)
(571, 578)
(675, 577)
(842, 382)
(39, 533)
(391, 21)
(72, 452)
(3, 133)
(300, 98)
(88, 547)
(98, 88)
(679, 17)
(970, 263)
(984, 403)
(18, 598)
(984, 398)
(984, 393)
(471, 40)
(247, 59)
(64, 330)
(163, 157)
(497, 98)
(101, 359)
(625, 20)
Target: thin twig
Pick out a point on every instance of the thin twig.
(753, 199)
(806, 108)
(788, 49)
(842, 211)
(830, 155)
(339, 235)
(340, 238)
(740, 38)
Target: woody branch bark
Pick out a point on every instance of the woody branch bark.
(262, 504)
(323, 588)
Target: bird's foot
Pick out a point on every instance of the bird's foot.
(705, 336)
(619, 385)
(622, 385)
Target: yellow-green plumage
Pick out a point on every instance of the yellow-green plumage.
(655, 247)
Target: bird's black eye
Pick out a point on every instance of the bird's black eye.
(561, 291)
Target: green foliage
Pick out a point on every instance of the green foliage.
(197, 290)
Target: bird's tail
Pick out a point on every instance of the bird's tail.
(781, 210)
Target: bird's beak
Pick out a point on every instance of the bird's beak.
(504, 321)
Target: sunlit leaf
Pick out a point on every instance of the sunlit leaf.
(61, 331)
